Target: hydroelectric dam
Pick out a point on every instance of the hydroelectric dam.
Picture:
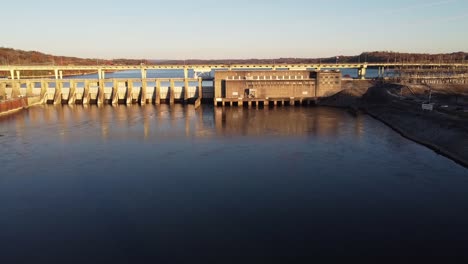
(232, 84)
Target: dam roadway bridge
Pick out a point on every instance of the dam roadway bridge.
(232, 88)
(14, 71)
(234, 84)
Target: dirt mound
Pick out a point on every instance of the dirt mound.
(351, 95)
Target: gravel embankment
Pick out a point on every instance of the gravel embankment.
(445, 133)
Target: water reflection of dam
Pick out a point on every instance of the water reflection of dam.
(281, 121)
(150, 122)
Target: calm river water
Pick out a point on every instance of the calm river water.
(126, 184)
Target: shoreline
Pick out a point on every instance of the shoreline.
(11, 112)
(444, 134)
(440, 150)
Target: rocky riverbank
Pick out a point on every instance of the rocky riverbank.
(445, 130)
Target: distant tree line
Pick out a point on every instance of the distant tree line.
(371, 57)
(396, 57)
(10, 56)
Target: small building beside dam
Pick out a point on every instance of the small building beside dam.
(291, 86)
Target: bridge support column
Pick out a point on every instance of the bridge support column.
(381, 72)
(58, 93)
(143, 73)
(2, 91)
(15, 91)
(144, 84)
(69, 94)
(185, 72)
(29, 88)
(129, 94)
(12, 74)
(56, 73)
(115, 93)
(171, 92)
(200, 88)
(72, 95)
(101, 94)
(362, 72)
(18, 75)
(100, 74)
(44, 86)
(186, 90)
(61, 75)
(86, 96)
(157, 101)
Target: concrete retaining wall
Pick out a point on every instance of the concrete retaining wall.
(16, 104)
(13, 105)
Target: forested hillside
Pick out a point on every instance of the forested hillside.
(10, 56)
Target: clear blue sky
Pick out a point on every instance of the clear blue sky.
(208, 29)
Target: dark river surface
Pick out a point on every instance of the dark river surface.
(174, 184)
